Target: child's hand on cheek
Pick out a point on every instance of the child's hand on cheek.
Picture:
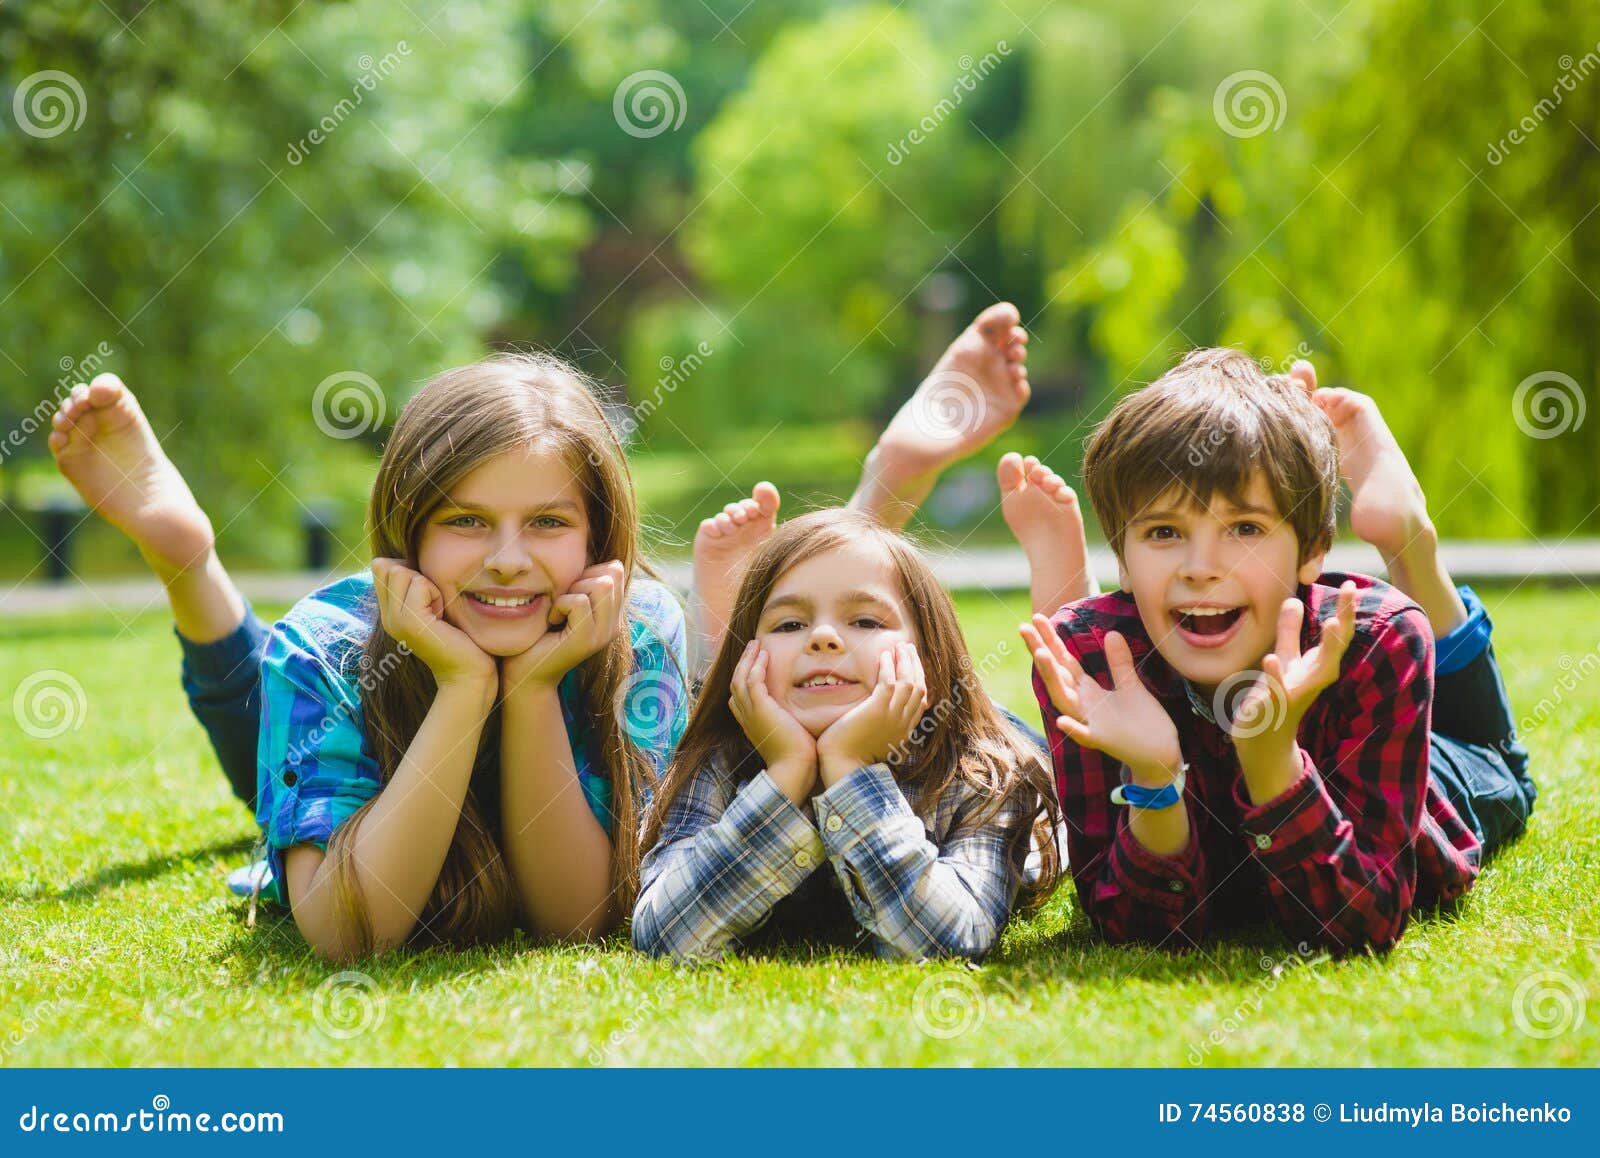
(868, 732)
(783, 743)
(411, 609)
(591, 613)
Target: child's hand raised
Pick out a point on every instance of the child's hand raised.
(411, 609)
(868, 732)
(787, 749)
(587, 617)
(1127, 723)
(1269, 713)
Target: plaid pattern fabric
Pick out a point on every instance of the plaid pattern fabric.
(314, 766)
(732, 855)
(1339, 859)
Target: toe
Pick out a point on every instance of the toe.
(766, 497)
(1010, 472)
(709, 529)
(996, 322)
(105, 389)
(1305, 374)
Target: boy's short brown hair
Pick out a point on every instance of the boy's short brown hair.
(1208, 425)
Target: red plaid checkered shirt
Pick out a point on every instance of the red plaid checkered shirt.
(1339, 859)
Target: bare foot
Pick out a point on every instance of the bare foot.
(974, 392)
(104, 447)
(1387, 506)
(722, 546)
(1042, 512)
(103, 444)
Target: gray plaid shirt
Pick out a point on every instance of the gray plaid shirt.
(729, 853)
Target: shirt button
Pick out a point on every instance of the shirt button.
(289, 779)
(803, 858)
(1263, 841)
(1175, 886)
(834, 824)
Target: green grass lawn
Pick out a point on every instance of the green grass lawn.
(119, 944)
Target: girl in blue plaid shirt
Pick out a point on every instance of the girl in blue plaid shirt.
(459, 741)
(842, 769)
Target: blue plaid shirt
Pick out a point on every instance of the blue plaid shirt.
(733, 855)
(314, 766)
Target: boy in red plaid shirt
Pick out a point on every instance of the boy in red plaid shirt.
(1236, 733)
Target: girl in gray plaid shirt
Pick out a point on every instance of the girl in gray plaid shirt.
(842, 769)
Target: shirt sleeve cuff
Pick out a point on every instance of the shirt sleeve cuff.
(856, 804)
(1298, 823)
(774, 829)
(1170, 882)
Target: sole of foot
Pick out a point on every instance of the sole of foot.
(722, 547)
(1043, 513)
(104, 446)
(1387, 506)
(974, 392)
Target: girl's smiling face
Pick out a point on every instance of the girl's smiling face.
(508, 539)
(825, 625)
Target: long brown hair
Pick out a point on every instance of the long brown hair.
(459, 420)
(962, 736)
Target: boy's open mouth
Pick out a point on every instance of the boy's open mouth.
(1206, 622)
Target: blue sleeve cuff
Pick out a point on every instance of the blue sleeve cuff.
(1463, 644)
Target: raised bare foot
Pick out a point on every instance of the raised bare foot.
(722, 546)
(1042, 512)
(1387, 506)
(974, 392)
(105, 448)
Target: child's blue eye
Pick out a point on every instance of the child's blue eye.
(787, 625)
(460, 520)
(868, 623)
(549, 522)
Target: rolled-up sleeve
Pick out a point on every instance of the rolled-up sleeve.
(313, 768)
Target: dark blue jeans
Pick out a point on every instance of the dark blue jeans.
(1474, 755)
(223, 683)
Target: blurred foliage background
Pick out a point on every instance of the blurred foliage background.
(758, 222)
